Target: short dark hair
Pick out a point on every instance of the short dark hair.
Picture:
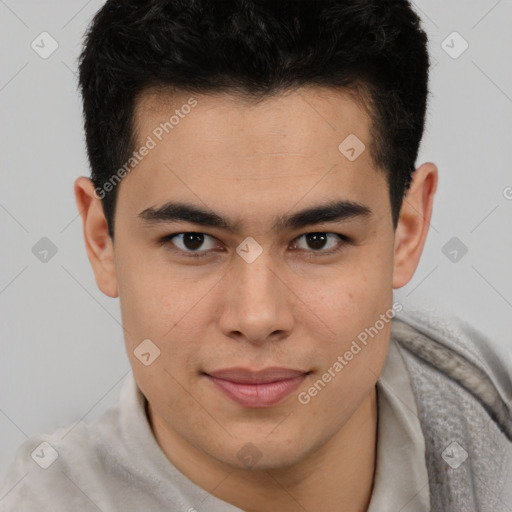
(253, 49)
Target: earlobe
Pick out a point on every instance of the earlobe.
(413, 224)
(99, 245)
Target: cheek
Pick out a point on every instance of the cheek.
(353, 296)
(155, 296)
(167, 307)
(352, 363)
(357, 306)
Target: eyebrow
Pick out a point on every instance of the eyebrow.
(331, 212)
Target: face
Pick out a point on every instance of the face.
(255, 304)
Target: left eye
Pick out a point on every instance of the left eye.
(319, 241)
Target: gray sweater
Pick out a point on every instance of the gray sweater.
(464, 396)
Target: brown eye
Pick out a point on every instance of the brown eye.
(190, 243)
(193, 241)
(321, 242)
(316, 240)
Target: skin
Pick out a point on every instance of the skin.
(292, 307)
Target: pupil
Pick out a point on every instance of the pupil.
(193, 240)
(316, 240)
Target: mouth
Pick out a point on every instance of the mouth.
(260, 388)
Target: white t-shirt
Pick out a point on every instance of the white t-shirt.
(115, 464)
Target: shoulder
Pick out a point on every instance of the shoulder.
(460, 336)
(463, 390)
(67, 469)
(442, 347)
(44, 468)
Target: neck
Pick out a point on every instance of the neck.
(337, 476)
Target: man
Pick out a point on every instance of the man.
(253, 203)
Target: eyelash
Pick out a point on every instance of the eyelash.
(344, 240)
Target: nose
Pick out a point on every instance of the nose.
(258, 304)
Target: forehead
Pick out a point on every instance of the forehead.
(287, 114)
(226, 149)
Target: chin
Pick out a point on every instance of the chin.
(260, 454)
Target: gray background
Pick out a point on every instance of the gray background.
(61, 351)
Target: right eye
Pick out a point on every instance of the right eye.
(188, 243)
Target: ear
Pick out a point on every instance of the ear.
(413, 223)
(98, 243)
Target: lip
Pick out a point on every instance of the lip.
(257, 388)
